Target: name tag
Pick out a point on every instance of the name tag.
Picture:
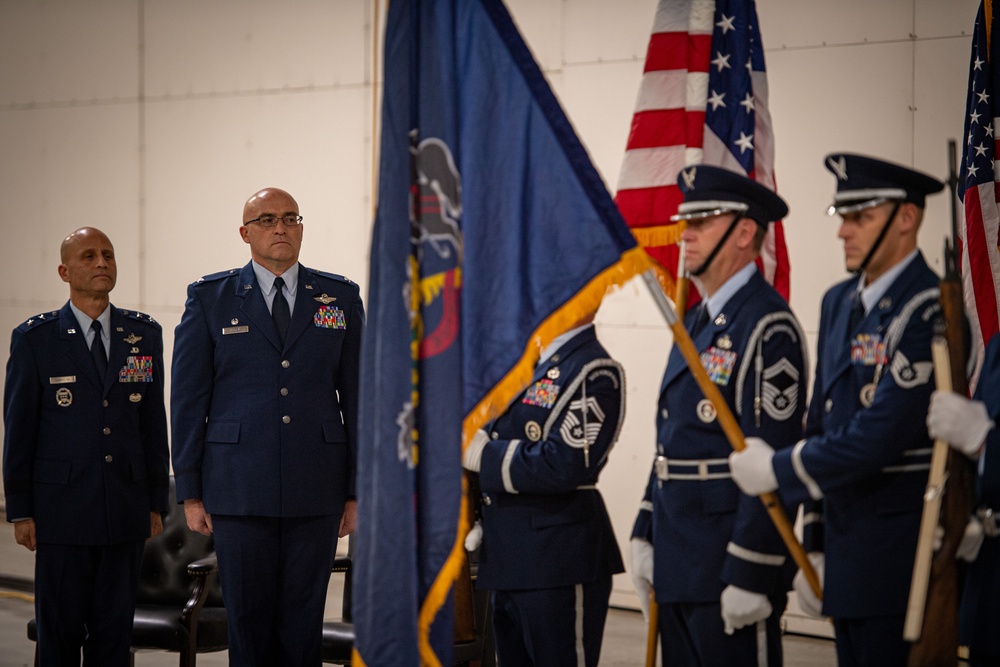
(62, 379)
(234, 330)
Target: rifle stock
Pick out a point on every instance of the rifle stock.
(937, 640)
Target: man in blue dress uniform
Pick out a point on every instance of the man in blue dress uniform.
(863, 466)
(264, 412)
(970, 427)
(85, 458)
(548, 549)
(714, 558)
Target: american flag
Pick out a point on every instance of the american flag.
(702, 100)
(977, 184)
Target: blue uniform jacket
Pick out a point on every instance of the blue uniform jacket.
(86, 457)
(981, 596)
(869, 465)
(544, 523)
(705, 532)
(261, 429)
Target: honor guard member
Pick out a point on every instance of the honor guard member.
(548, 549)
(716, 562)
(264, 410)
(970, 427)
(863, 466)
(85, 458)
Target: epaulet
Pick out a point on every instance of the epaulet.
(140, 317)
(38, 320)
(335, 276)
(216, 276)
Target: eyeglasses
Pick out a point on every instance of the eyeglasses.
(272, 220)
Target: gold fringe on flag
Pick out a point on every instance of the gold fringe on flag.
(586, 301)
(661, 235)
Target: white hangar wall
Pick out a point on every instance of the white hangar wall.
(154, 121)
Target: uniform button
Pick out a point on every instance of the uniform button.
(487, 500)
(286, 419)
(494, 435)
(104, 403)
(109, 458)
(107, 431)
(829, 404)
(284, 391)
(285, 364)
(664, 413)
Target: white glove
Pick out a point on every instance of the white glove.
(472, 458)
(474, 537)
(808, 601)
(963, 423)
(642, 571)
(973, 538)
(742, 607)
(752, 469)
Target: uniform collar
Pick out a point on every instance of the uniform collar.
(85, 320)
(717, 301)
(870, 294)
(558, 342)
(266, 279)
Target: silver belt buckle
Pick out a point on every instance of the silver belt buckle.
(661, 468)
(989, 521)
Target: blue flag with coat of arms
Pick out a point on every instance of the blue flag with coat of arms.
(494, 234)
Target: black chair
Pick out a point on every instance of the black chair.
(179, 603)
(338, 636)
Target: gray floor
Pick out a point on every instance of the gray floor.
(624, 637)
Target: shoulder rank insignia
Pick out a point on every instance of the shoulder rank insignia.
(324, 299)
(910, 374)
(780, 389)
(132, 339)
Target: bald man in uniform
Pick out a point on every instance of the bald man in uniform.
(264, 412)
(85, 459)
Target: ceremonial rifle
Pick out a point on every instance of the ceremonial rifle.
(932, 612)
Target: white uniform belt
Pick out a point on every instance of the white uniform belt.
(698, 470)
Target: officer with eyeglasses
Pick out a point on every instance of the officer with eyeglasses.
(264, 413)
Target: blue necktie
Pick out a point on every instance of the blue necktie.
(700, 320)
(279, 310)
(97, 350)
(857, 314)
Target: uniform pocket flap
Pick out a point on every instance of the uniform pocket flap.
(223, 432)
(333, 431)
(53, 471)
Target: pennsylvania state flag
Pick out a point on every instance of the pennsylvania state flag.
(494, 234)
